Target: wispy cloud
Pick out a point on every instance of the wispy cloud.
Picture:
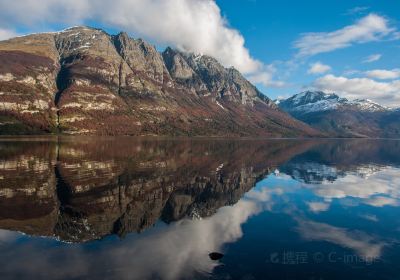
(317, 207)
(365, 245)
(318, 68)
(372, 58)
(357, 10)
(265, 77)
(369, 28)
(351, 72)
(382, 74)
(396, 35)
(386, 93)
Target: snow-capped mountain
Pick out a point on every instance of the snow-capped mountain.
(341, 117)
(318, 101)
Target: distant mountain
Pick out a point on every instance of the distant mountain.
(85, 81)
(341, 117)
(318, 101)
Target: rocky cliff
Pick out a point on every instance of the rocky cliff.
(85, 81)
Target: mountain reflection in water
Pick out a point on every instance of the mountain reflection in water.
(187, 198)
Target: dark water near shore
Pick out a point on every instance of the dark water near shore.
(137, 208)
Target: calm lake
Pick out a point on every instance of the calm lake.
(151, 208)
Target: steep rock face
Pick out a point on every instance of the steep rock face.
(89, 81)
(340, 117)
(206, 75)
(28, 71)
(142, 58)
(177, 65)
(85, 81)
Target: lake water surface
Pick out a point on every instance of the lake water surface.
(150, 208)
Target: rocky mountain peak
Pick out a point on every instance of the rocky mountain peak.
(177, 64)
(342, 117)
(120, 41)
(83, 80)
(141, 57)
(314, 101)
(311, 101)
(368, 105)
(80, 39)
(204, 73)
(313, 97)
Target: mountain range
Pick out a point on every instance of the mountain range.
(340, 117)
(83, 80)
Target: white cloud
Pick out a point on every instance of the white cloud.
(190, 25)
(318, 68)
(396, 35)
(369, 217)
(380, 201)
(372, 58)
(369, 28)
(365, 245)
(378, 188)
(386, 93)
(266, 77)
(383, 74)
(30, 13)
(177, 251)
(357, 10)
(182, 248)
(6, 34)
(351, 72)
(317, 207)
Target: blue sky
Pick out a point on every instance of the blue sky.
(271, 28)
(349, 47)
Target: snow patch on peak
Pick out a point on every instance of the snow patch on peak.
(368, 105)
(197, 56)
(319, 106)
(312, 97)
(318, 101)
(66, 30)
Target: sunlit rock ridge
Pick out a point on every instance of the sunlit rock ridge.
(85, 81)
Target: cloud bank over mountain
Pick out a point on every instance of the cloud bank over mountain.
(189, 25)
(387, 93)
